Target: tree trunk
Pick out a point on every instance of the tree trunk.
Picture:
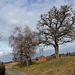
(57, 51)
(27, 62)
(30, 59)
(21, 58)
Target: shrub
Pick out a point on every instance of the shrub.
(2, 70)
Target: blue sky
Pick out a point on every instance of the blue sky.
(24, 12)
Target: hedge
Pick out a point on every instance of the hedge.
(2, 70)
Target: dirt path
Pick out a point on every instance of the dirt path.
(12, 71)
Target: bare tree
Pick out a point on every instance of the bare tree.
(57, 27)
(23, 43)
(29, 44)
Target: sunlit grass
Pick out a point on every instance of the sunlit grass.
(61, 66)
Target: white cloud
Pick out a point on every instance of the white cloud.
(1, 53)
(20, 12)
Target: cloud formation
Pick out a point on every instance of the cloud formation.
(23, 12)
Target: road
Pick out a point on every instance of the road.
(13, 71)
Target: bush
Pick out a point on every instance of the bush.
(2, 70)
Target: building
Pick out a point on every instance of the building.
(42, 58)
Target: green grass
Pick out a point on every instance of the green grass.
(61, 66)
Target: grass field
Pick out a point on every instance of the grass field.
(11, 64)
(61, 66)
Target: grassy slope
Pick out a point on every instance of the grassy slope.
(61, 66)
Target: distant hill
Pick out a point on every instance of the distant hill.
(61, 55)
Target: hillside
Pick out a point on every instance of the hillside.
(61, 66)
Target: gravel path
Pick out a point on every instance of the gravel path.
(12, 71)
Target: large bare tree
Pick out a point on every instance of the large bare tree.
(57, 27)
(23, 43)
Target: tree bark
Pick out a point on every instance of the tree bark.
(27, 62)
(21, 60)
(30, 59)
(57, 51)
